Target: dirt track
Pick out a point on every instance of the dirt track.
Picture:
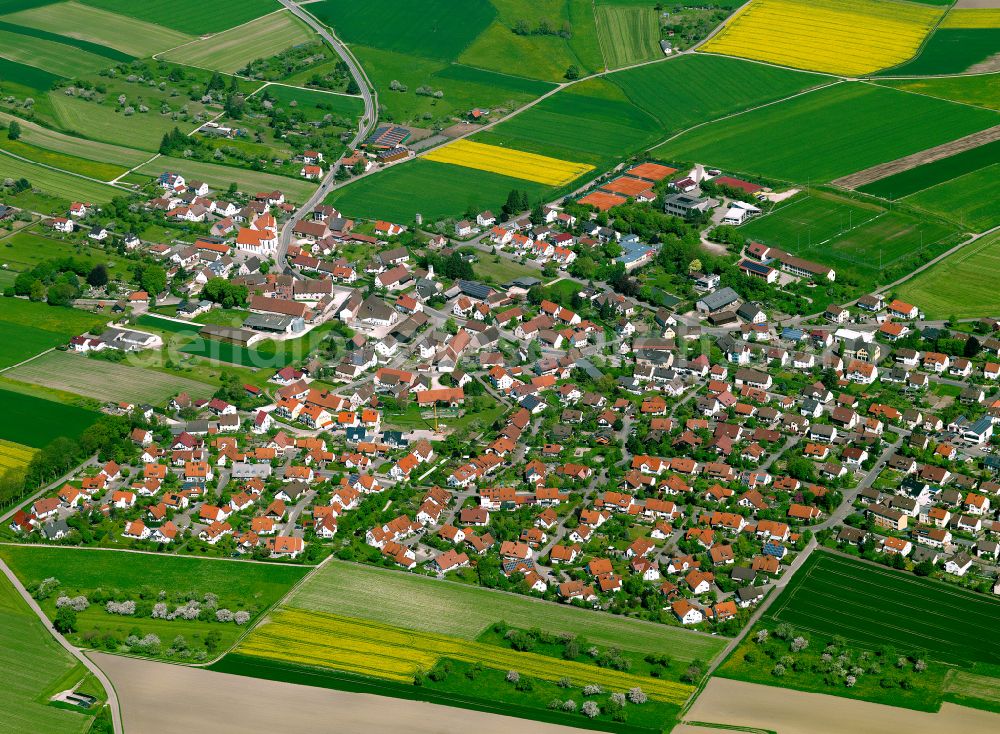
(159, 697)
(884, 170)
(794, 712)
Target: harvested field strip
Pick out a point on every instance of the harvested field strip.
(927, 175)
(385, 651)
(972, 18)
(105, 381)
(131, 36)
(872, 606)
(515, 163)
(851, 37)
(883, 170)
(231, 50)
(14, 455)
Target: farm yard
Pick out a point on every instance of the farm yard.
(628, 34)
(873, 606)
(231, 50)
(36, 422)
(425, 605)
(514, 163)
(105, 381)
(848, 37)
(962, 285)
(43, 669)
(828, 133)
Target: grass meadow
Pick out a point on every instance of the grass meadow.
(59, 142)
(119, 31)
(42, 667)
(71, 163)
(231, 50)
(106, 381)
(19, 342)
(828, 133)
(65, 322)
(628, 34)
(970, 200)
(57, 183)
(963, 284)
(423, 604)
(219, 177)
(982, 90)
(106, 124)
(23, 250)
(62, 59)
(193, 17)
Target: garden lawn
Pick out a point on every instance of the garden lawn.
(232, 50)
(40, 668)
(193, 17)
(940, 171)
(963, 284)
(219, 177)
(628, 34)
(60, 142)
(35, 422)
(433, 189)
(107, 381)
(872, 606)
(971, 200)
(57, 183)
(134, 37)
(828, 133)
(427, 605)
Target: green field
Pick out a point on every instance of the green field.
(107, 381)
(219, 177)
(71, 163)
(873, 606)
(951, 51)
(971, 200)
(107, 124)
(828, 133)
(24, 250)
(601, 120)
(978, 89)
(16, 74)
(36, 422)
(63, 59)
(60, 142)
(20, 341)
(56, 319)
(809, 219)
(238, 585)
(963, 284)
(190, 16)
(432, 189)
(917, 179)
(315, 104)
(134, 37)
(232, 50)
(57, 183)
(628, 34)
(43, 669)
(420, 603)
(262, 356)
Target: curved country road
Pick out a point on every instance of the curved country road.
(368, 121)
(116, 714)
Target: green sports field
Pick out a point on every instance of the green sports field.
(106, 381)
(828, 133)
(41, 668)
(36, 422)
(810, 220)
(874, 606)
(628, 34)
(963, 284)
(75, 20)
(424, 604)
(432, 189)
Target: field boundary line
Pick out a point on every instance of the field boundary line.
(25, 361)
(309, 89)
(929, 96)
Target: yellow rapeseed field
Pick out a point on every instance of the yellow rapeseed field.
(515, 163)
(972, 18)
(844, 37)
(14, 455)
(383, 651)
